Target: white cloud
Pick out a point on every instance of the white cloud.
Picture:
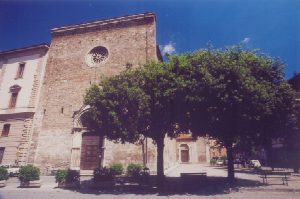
(168, 49)
(246, 40)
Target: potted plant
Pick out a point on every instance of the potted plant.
(67, 178)
(145, 176)
(29, 176)
(103, 177)
(117, 169)
(213, 161)
(3, 176)
(133, 172)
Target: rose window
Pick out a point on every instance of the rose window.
(97, 55)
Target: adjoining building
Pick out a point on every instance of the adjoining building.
(79, 56)
(21, 75)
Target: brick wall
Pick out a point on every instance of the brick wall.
(68, 76)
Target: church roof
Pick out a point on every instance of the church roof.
(116, 22)
(24, 49)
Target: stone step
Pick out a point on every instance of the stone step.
(86, 172)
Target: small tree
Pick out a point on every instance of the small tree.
(3, 173)
(29, 173)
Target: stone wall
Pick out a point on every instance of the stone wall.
(201, 149)
(170, 153)
(130, 153)
(68, 76)
(197, 149)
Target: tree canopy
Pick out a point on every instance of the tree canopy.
(293, 138)
(136, 102)
(118, 108)
(235, 95)
(229, 94)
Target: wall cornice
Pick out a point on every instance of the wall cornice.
(118, 22)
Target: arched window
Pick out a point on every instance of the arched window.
(14, 90)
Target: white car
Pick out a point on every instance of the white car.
(255, 163)
(12, 170)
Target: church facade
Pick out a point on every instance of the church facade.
(80, 55)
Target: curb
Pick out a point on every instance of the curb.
(269, 190)
(170, 169)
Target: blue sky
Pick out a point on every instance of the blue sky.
(273, 26)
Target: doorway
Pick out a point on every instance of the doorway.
(89, 152)
(184, 153)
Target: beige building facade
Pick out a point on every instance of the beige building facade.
(21, 74)
(80, 55)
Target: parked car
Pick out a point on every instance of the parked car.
(237, 161)
(12, 170)
(255, 163)
(220, 162)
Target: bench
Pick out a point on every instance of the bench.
(193, 176)
(283, 175)
(193, 180)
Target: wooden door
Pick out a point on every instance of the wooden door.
(89, 153)
(184, 155)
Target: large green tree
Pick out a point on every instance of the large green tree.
(136, 102)
(293, 137)
(233, 95)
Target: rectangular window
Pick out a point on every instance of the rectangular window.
(1, 154)
(5, 130)
(13, 100)
(20, 71)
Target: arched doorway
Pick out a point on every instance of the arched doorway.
(87, 149)
(184, 153)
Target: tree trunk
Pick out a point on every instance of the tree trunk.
(101, 148)
(160, 163)
(295, 161)
(296, 166)
(230, 165)
(143, 152)
(270, 159)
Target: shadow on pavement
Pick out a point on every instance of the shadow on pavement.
(240, 170)
(173, 185)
